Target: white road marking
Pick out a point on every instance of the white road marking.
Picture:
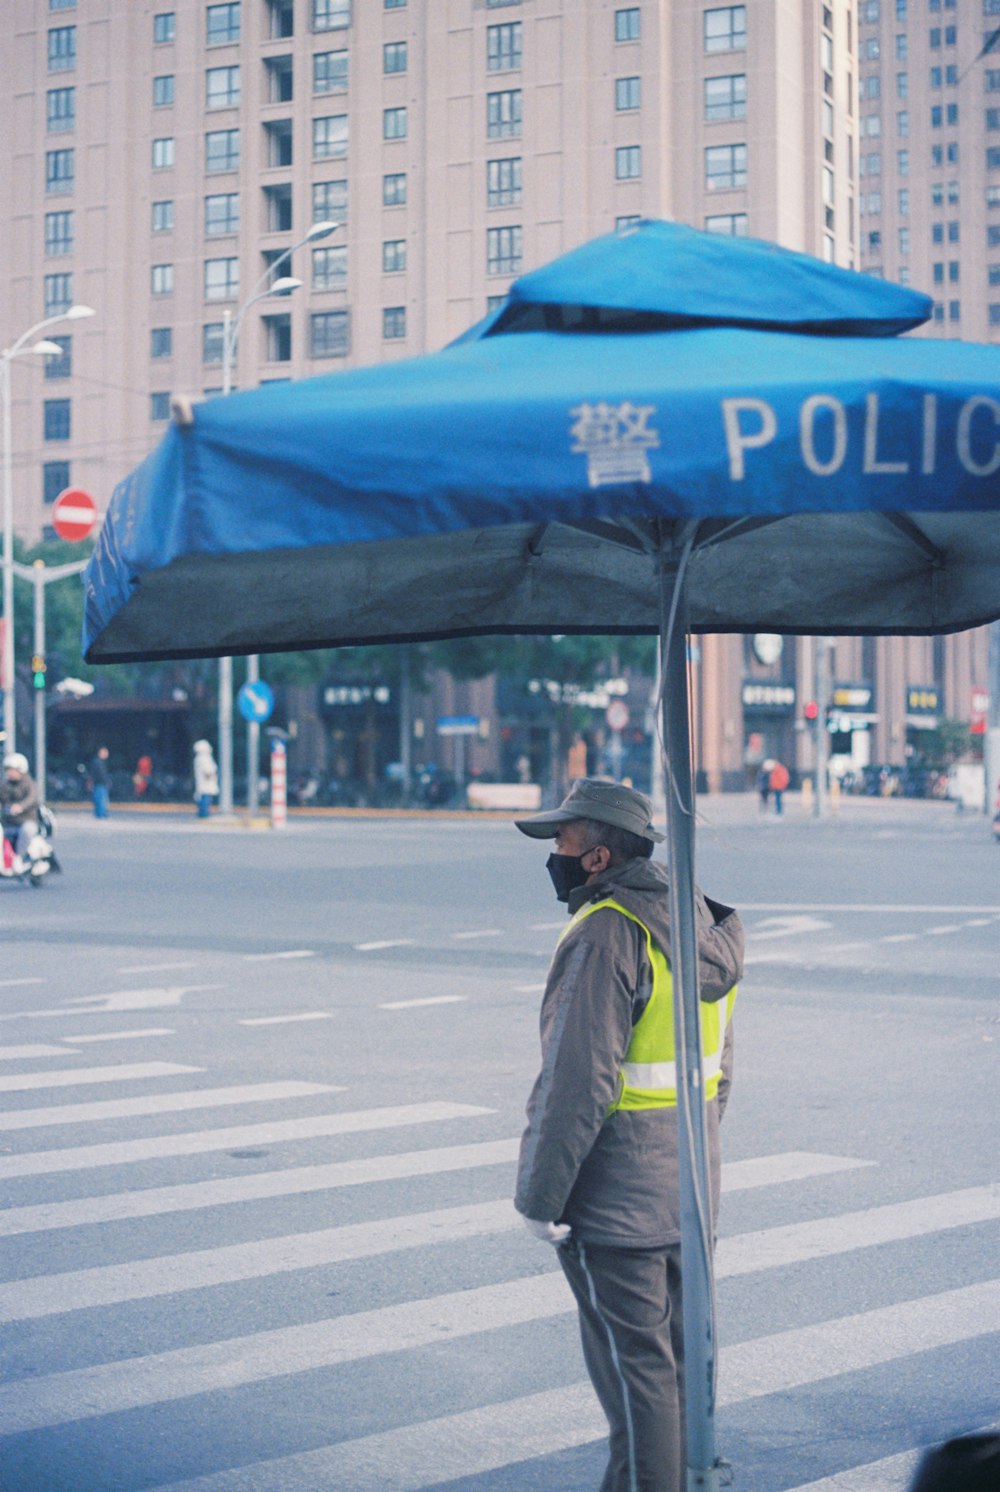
(260, 958)
(747, 1253)
(939, 932)
(120, 1035)
(154, 968)
(134, 999)
(10, 983)
(206, 1141)
(430, 1000)
(481, 1440)
(384, 943)
(787, 927)
(528, 989)
(981, 922)
(153, 1201)
(888, 1475)
(285, 1020)
(549, 926)
(486, 932)
(77, 1077)
(790, 1165)
(750, 1370)
(16, 1053)
(159, 1103)
(900, 938)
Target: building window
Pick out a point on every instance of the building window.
(726, 29)
(329, 267)
(280, 19)
(725, 167)
(954, 271)
(954, 311)
(330, 15)
(222, 87)
(953, 231)
(212, 334)
(394, 57)
(993, 158)
(329, 202)
(503, 47)
(394, 189)
(624, 224)
(871, 125)
(60, 109)
(161, 279)
(503, 114)
(279, 72)
(278, 338)
(329, 137)
(628, 162)
(56, 419)
(222, 24)
(58, 290)
(628, 94)
(394, 124)
(393, 255)
(627, 24)
(62, 4)
(902, 49)
(159, 406)
(55, 479)
(993, 196)
(62, 49)
(393, 323)
(163, 153)
(278, 208)
(163, 90)
(278, 142)
(222, 150)
(902, 162)
(330, 72)
(328, 334)
(222, 279)
(61, 366)
(993, 236)
(733, 224)
(161, 342)
(163, 216)
(222, 214)
(503, 182)
(903, 122)
(871, 87)
(870, 49)
(59, 233)
(503, 250)
(726, 98)
(164, 26)
(395, 4)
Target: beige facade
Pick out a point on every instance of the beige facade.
(160, 153)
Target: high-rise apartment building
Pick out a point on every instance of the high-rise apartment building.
(163, 154)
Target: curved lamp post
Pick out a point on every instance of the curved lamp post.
(23, 347)
(230, 338)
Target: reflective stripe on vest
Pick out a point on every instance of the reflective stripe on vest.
(648, 1078)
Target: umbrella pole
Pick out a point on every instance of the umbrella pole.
(695, 1196)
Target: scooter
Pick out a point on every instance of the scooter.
(40, 860)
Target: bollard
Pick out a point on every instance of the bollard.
(835, 795)
(807, 795)
(279, 785)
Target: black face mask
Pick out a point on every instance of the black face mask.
(567, 873)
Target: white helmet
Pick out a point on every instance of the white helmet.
(16, 762)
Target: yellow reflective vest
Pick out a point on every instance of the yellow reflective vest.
(648, 1078)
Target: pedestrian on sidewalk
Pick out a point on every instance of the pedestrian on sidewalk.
(100, 783)
(764, 784)
(206, 778)
(598, 1169)
(778, 782)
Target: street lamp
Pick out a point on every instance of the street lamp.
(230, 337)
(20, 348)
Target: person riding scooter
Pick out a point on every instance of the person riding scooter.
(18, 806)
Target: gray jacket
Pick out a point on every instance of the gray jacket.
(614, 1178)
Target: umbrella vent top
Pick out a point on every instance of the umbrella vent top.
(660, 275)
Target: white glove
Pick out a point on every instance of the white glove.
(554, 1233)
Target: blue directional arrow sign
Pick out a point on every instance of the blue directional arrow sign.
(256, 701)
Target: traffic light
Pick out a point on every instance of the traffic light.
(811, 710)
(38, 671)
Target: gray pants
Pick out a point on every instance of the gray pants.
(631, 1327)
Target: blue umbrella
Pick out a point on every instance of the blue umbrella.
(657, 432)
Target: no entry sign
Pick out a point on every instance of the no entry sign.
(74, 514)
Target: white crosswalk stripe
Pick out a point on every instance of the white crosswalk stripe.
(170, 1375)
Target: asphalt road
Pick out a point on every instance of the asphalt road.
(261, 1095)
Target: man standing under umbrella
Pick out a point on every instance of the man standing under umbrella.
(598, 1173)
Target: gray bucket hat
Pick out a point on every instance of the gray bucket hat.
(605, 802)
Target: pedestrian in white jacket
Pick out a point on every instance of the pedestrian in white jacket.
(206, 778)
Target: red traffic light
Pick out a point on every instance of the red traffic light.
(811, 710)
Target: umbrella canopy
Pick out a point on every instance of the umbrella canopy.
(840, 482)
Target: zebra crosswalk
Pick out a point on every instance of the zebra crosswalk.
(384, 1336)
